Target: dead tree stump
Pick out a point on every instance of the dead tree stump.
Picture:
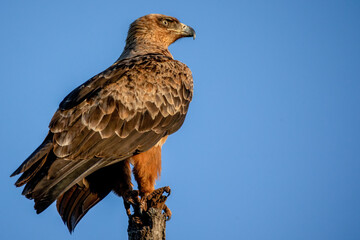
(151, 225)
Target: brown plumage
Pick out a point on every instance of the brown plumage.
(120, 116)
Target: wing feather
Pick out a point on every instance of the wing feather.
(95, 116)
(113, 124)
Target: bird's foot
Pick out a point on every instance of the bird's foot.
(156, 199)
(131, 198)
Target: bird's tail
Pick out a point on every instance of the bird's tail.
(76, 202)
(80, 198)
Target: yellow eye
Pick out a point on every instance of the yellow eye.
(165, 22)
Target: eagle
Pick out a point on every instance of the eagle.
(119, 117)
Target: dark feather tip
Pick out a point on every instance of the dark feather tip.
(16, 172)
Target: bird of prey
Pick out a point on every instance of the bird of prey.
(119, 117)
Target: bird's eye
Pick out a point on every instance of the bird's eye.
(165, 22)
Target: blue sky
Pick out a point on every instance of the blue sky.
(271, 145)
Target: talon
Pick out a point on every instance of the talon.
(167, 212)
(167, 190)
(127, 208)
(143, 204)
(158, 193)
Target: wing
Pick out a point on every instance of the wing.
(124, 110)
(121, 112)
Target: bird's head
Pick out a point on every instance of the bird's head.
(158, 29)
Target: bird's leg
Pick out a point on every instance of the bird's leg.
(147, 168)
(131, 198)
(123, 186)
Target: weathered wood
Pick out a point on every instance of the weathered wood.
(150, 225)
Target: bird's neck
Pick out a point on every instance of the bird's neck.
(142, 48)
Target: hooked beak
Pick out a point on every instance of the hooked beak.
(187, 31)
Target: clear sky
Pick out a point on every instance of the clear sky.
(271, 145)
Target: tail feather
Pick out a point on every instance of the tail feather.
(76, 202)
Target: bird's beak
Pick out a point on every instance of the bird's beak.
(187, 31)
